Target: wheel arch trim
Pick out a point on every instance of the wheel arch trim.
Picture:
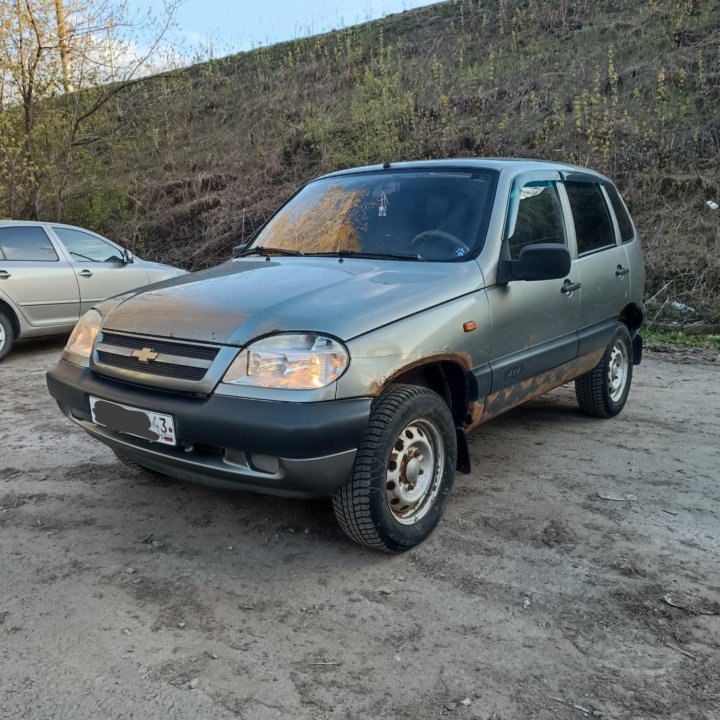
(446, 374)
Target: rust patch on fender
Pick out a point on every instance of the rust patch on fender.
(514, 395)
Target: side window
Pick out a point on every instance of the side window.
(627, 231)
(84, 247)
(593, 226)
(539, 218)
(26, 243)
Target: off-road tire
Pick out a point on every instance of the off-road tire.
(361, 506)
(6, 344)
(594, 390)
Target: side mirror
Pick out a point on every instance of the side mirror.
(238, 249)
(128, 257)
(544, 261)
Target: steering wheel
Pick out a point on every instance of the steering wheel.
(457, 244)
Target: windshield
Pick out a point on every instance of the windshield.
(436, 216)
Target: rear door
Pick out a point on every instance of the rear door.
(602, 264)
(35, 278)
(534, 322)
(630, 241)
(99, 265)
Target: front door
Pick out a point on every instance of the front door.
(534, 322)
(99, 265)
(41, 284)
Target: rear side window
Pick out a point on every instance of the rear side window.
(26, 243)
(627, 231)
(593, 226)
(539, 218)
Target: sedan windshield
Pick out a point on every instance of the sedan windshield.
(436, 216)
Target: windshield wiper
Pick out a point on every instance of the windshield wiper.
(372, 255)
(267, 251)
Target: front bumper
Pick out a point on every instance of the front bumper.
(300, 449)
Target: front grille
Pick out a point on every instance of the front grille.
(201, 352)
(174, 359)
(182, 372)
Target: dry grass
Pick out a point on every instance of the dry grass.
(627, 87)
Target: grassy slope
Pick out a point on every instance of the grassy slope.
(628, 87)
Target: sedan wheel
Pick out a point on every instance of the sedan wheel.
(7, 335)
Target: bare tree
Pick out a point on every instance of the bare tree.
(63, 45)
(61, 62)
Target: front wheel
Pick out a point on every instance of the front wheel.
(403, 472)
(603, 391)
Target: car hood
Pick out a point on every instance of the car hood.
(243, 299)
(158, 271)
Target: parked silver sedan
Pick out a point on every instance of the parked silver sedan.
(50, 274)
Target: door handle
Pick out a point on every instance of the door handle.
(621, 271)
(85, 273)
(4, 274)
(569, 287)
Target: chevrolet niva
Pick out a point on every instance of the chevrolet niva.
(376, 318)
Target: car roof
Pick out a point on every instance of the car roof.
(21, 222)
(43, 223)
(514, 165)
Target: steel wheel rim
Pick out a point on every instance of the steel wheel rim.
(618, 370)
(2, 337)
(414, 471)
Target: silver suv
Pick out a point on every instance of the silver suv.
(376, 318)
(50, 274)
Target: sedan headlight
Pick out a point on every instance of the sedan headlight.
(293, 360)
(82, 339)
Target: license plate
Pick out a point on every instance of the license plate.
(152, 426)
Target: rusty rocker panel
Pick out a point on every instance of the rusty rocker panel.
(514, 395)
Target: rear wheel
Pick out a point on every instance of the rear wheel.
(7, 335)
(403, 472)
(603, 391)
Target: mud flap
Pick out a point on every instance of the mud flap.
(463, 452)
(637, 346)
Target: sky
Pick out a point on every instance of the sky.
(221, 27)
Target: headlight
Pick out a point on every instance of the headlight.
(293, 360)
(82, 339)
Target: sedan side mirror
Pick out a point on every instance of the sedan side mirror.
(128, 257)
(544, 261)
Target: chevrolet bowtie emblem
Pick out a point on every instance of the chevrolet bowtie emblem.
(145, 355)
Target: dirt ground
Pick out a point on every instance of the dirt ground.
(576, 574)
